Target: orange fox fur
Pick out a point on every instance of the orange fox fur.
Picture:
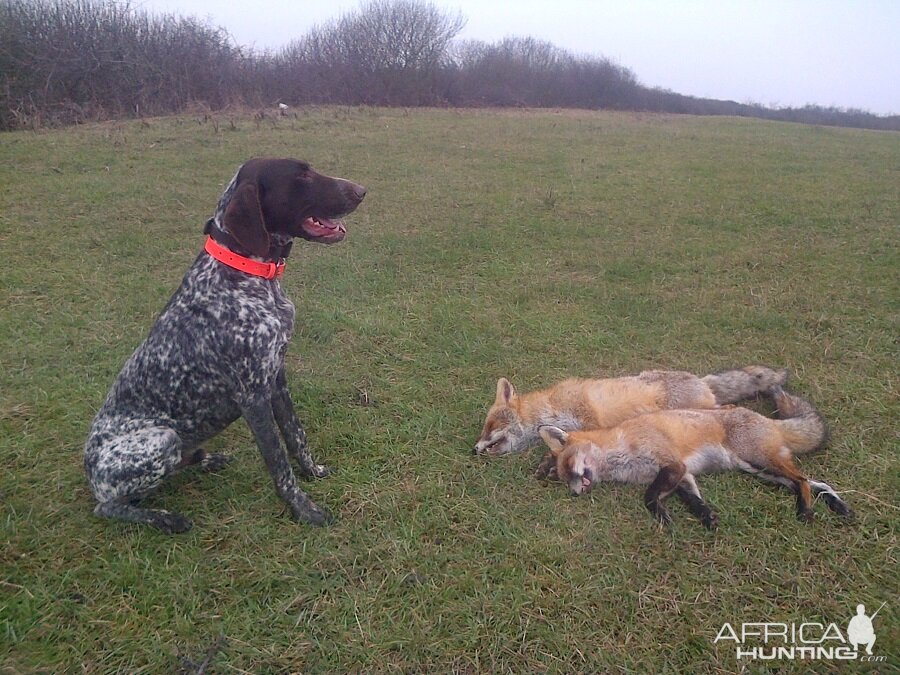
(513, 419)
(668, 448)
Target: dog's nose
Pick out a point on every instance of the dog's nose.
(358, 191)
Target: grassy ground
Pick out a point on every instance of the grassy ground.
(532, 245)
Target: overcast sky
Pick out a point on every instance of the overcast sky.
(844, 53)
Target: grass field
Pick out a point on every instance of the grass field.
(531, 245)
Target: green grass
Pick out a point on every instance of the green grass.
(531, 245)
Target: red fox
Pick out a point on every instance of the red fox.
(513, 420)
(666, 449)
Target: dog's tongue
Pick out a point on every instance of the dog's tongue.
(585, 482)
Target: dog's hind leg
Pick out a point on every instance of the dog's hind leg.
(120, 509)
(124, 468)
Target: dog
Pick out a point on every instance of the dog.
(513, 420)
(667, 449)
(216, 352)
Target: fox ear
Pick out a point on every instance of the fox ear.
(244, 220)
(505, 391)
(554, 437)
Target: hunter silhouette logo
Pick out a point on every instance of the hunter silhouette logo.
(806, 641)
(860, 630)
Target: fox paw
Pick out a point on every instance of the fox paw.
(546, 470)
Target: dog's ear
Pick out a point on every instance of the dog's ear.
(554, 437)
(244, 220)
(505, 392)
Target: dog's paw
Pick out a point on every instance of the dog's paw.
(215, 462)
(321, 517)
(321, 471)
(315, 471)
(171, 523)
(312, 514)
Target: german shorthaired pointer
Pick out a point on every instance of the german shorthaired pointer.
(216, 352)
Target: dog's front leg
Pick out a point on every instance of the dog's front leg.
(261, 419)
(292, 430)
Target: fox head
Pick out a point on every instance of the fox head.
(573, 458)
(503, 431)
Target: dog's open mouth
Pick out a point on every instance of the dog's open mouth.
(329, 229)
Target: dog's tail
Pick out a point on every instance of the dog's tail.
(731, 386)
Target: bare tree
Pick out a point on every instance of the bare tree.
(389, 52)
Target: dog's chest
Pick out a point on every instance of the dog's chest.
(230, 322)
(261, 324)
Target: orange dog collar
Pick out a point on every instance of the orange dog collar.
(266, 270)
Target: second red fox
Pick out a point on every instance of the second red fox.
(667, 449)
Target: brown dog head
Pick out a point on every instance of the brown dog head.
(285, 197)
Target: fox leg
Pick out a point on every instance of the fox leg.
(546, 470)
(665, 483)
(819, 488)
(784, 467)
(689, 493)
(835, 503)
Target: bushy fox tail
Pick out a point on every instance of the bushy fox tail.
(802, 425)
(731, 386)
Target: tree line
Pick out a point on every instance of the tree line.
(70, 61)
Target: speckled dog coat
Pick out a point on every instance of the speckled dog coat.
(216, 353)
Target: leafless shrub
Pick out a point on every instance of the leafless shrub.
(67, 61)
(530, 72)
(70, 61)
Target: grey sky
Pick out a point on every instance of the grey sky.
(844, 53)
